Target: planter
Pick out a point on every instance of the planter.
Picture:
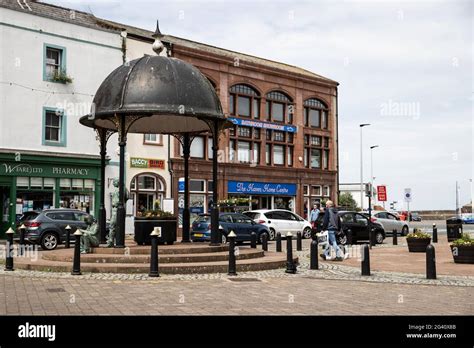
(144, 226)
(463, 253)
(418, 245)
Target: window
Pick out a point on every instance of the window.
(268, 154)
(315, 140)
(347, 218)
(147, 191)
(197, 148)
(305, 190)
(278, 154)
(326, 159)
(290, 156)
(256, 153)
(279, 107)
(54, 62)
(54, 127)
(244, 101)
(196, 185)
(315, 158)
(209, 148)
(315, 113)
(153, 139)
(243, 151)
(316, 190)
(232, 150)
(278, 136)
(327, 191)
(146, 182)
(313, 152)
(244, 132)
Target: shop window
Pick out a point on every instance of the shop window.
(88, 184)
(77, 183)
(54, 127)
(36, 182)
(153, 139)
(65, 183)
(51, 183)
(54, 62)
(22, 182)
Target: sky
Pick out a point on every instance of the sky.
(405, 67)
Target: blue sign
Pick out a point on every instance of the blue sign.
(265, 125)
(181, 185)
(261, 188)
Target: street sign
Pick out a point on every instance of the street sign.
(382, 193)
(407, 195)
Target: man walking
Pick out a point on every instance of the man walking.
(332, 224)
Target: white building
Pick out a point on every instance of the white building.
(354, 190)
(52, 60)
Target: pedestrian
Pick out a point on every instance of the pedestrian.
(332, 224)
(313, 216)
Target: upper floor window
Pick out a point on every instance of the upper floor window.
(244, 101)
(54, 127)
(153, 139)
(55, 64)
(279, 107)
(315, 113)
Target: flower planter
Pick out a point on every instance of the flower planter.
(418, 245)
(463, 253)
(145, 225)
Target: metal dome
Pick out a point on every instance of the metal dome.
(172, 96)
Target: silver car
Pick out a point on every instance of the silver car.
(391, 222)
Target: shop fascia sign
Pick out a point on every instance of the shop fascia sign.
(26, 169)
(136, 162)
(261, 188)
(265, 125)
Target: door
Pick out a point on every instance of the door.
(243, 226)
(294, 223)
(393, 223)
(281, 222)
(361, 226)
(4, 208)
(383, 219)
(348, 224)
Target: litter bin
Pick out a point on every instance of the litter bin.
(453, 228)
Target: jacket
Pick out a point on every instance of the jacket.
(331, 220)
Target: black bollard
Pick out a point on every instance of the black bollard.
(76, 263)
(365, 264)
(154, 254)
(299, 243)
(278, 242)
(9, 250)
(435, 234)
(430, 262)
(68, 237)
(290, 265)
(253, 240)
(264, 242)
(22, 239)
(314, 262)
(395, 237)
(232, 264)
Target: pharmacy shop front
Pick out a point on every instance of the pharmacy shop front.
(36, 182)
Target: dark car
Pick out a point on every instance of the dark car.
(356, 224)
(241, 224)
(48, 227)
(415, 217)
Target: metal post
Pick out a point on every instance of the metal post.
(232, 264)
(361, 168)
(394, 237)
(253, 240)
(435, 234)
(76, 264)
(68, 237)
(9, 250)
(299, 243)
(22, 239)
(102, 212)
(290, 265)
(365, 263)
(264, 242)
(154, 253)
(371, 242)
(278, 242)
(215, 208)
(314, 263)
(120, 235)
(430, 262)
(186, 212)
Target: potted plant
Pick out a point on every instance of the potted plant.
(463, 249)
(61, 76)
(418, 241)
(147, 220)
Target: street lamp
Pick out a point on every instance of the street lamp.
(362, 125)
(372, 168)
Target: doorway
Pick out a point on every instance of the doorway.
(4, 208)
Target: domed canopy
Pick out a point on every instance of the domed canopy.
(171, 95)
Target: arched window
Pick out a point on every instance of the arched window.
(244, 101)
(279, 107)
(147, 190)
(315, 113)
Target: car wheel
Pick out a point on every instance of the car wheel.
(307, 233)
(272, 234)
(342, 239)
(404, 230)
(260, 238)
(379, 237)
(49, 241)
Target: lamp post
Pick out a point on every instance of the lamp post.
(362, 125)
(372, 169)
(472, 194)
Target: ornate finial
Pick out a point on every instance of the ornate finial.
(158, 46)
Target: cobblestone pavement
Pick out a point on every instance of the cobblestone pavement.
(333, 289)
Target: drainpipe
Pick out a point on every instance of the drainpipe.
(337, 147)
(170, 170)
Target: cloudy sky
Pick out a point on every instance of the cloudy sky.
(404, 67)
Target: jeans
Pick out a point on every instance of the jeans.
(333, 243)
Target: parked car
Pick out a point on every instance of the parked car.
(358, 225)
(415, 217)
(467, 218)
(48, 227)
(282, 221)
(390, 222)
(241, 224)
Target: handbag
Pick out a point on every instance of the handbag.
(323, 238)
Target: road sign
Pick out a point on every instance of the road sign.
(408, 195)
(382, 193)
